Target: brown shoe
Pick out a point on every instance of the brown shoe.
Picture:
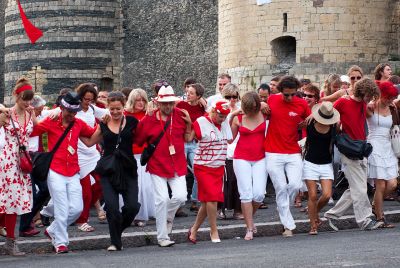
(12, 249)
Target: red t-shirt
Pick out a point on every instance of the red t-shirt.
(282, 134)
(352, 117)
(162, 163)
(139, 116)
(195, 111)
(64, 162)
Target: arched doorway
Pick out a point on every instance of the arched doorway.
(283, 50)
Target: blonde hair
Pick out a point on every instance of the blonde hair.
(135, 93)
(355, 68)
(230, 89)
(333, 79)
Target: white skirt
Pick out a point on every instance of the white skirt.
(146, 193)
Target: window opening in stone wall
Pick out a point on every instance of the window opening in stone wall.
(285, 22)
(106, 83)
(283, 52)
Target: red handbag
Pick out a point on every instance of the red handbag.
(25, 161)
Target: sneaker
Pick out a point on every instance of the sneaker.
(287, 233)
(113, 248)
(372, 225)
(61, 249)
(166, 243)
(331, 202)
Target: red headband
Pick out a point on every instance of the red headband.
(23, 88)
(388, 90)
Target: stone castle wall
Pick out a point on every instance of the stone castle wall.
(170, 39)
(306, 38)
(81, 42)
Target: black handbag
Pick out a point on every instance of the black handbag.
(41, 161)
(150, 149)
(112, 165)
(353, 149)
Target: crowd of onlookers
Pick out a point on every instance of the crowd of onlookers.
(128, 155)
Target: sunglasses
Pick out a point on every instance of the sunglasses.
(289, 94)
(310, 96)
(231, 97)
(355, 77)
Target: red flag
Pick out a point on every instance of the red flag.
(33, 33)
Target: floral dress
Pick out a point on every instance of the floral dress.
(15, 186)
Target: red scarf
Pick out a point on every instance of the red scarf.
(33, 33)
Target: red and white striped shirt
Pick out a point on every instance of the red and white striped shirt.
(213, 142)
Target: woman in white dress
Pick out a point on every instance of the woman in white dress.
(382, 163)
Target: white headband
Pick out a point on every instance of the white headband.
(68, 106)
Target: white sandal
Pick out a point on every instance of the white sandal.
(85, 227)
(3, 231)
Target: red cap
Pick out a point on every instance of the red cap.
(222, 107)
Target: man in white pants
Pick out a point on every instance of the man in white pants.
(167, 166)
(63, 178)
(282, 152)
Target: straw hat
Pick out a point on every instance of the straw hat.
(166, 94)
(325, 114)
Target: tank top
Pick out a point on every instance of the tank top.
(318, 146)
(249, 146)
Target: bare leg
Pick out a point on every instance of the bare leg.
(380, 186)
(312, 204)
(247, 210)
(212, 219)
(201, 216)
(326, 186)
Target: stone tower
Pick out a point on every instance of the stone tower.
(81, 42)
(305, 38)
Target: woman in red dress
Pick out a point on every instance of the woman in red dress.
(213, 133)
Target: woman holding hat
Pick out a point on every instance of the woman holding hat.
(15, 185)
(317, 165)
(213, 133)
(382, 163)
(167, 165)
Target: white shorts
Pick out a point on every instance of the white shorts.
(315, 172)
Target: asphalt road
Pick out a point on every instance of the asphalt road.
(353, 248)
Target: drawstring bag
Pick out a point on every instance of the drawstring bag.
(395, 131)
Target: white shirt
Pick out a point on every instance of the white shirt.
(2, 138)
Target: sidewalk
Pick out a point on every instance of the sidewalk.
(267, 222)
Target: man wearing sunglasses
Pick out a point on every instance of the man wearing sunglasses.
(282, 152)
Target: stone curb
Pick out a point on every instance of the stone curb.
(139, 239)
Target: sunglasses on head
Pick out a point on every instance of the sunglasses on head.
(355, 77)
(310, 96)
(231, 97)
(289, 94)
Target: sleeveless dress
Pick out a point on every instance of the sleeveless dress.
(15, 186)
(382, 163)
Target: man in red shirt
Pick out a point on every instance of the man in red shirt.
(167, 165)
(282, 152)
(353, 112)
(63, 179)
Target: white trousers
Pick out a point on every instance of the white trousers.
(66, 193)
(251, 179)
(166, 207)
(285, 171)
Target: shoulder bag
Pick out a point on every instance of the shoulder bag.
(353, 149)
(42, 160)
(149, 150)
(25, 161)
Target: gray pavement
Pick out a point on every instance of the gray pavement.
(351, 248)
(267, 221)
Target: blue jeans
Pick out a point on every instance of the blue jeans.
(190, 151)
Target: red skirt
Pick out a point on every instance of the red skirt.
(209, 183)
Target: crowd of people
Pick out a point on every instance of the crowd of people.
(127, 155)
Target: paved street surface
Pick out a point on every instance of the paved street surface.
(344, 249)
